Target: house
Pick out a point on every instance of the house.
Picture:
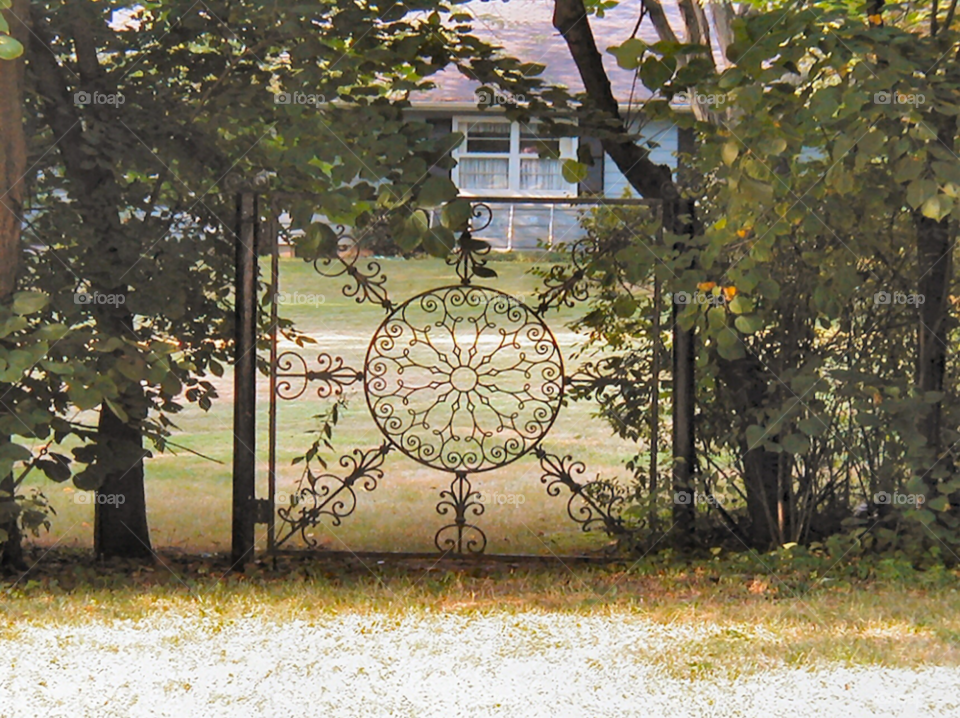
(500, 160)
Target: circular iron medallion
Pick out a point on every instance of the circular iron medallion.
(464, 378)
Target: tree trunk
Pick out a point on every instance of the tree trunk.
(13, 153)
(652, 181)
(120, 530)
(934, 261)
(743, 380)
(120, 520)
(11, 550)
(13, 165)
(935, 265)
(684, 439)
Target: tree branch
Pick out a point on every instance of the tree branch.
(651, 180)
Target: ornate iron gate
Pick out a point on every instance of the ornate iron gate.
(462, 378)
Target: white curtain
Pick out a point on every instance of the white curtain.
(484, 173)
(537, 173)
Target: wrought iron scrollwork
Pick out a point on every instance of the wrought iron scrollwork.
(460, 536)
(591, 504)
(331, 374)
(594, 377)
(564, 286)
(481, 217)
(367, 281)
(469, 259)
(464, 378)
(332, 496)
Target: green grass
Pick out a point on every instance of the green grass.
(189, 497)
(716, 621)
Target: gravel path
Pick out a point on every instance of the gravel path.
(520, 666)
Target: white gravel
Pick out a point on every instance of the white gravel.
(435, 665)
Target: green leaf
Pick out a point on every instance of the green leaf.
(84, 398)
(624, 306)
(717, 318)
(10, 49)
(740, 305)
(907, 169)
(171, 385)
(117, 410)
(15, 452)
(456, 214)
(937, 207)
(729, 346)
(29, 302)
(941, 503)
(730, 152)
(439, 241)
(437, 190)
(319, 240)
(755, 436)
(757, 191)
(730, 78)
(629, 53)
(947, 171)
(51, 332)
(919, 191)
(54, 470)
(812, 426)
(749, 324)
(795, 443)
(656, 72)
(411, 230)
(772, 146)
(573, 171)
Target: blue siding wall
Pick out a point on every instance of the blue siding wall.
(665, 134)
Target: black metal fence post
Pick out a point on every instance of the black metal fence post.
(245, 381)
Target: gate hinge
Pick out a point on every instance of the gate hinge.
(262, 511)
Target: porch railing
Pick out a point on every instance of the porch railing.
(523, 223)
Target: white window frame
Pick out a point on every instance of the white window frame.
(568, 150)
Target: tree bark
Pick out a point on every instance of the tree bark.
(13, 153)
(13, 166)
(659, 19)
(723, 15)
(744, 383)
(935, 265)
(119, 530)
(652, 181)
(120, 518)
(11, 550)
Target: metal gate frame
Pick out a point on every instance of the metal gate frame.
(592, 504)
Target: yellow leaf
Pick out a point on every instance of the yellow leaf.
(729, 153)
(706, 286)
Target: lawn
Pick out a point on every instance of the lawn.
(351, 637)
(189, 496)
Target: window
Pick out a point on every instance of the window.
(502, 157)
(485, 159)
